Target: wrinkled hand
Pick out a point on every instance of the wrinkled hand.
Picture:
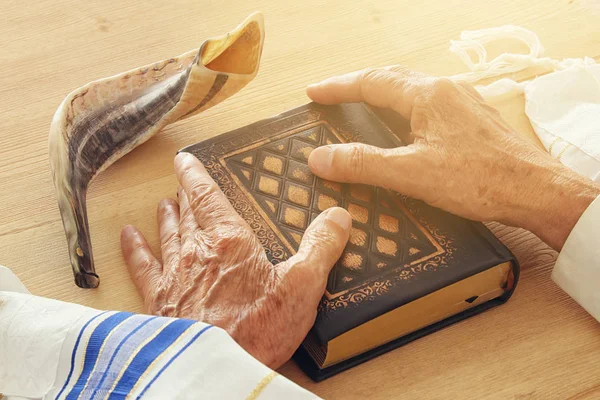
(463, 156)
(214, 269)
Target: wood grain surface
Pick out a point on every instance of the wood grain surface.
(541, 345)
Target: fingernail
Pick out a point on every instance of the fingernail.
(340, 217)
(180, 157)
(166, 203)
(320, 160)
(128, 231)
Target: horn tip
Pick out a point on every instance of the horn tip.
(87, 280)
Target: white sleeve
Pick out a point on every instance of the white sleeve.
(577, 269)
(54, 350)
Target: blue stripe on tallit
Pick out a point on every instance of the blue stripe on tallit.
(93, 348)
(127, 352)
(184, 348)
(126, 331)
(75, 352)
(147, 355)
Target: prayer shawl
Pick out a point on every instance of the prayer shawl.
(55, 350)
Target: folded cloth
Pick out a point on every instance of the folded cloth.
(55, 350)
(563, 106)
(564, 110)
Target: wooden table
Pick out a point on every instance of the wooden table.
(541, 345)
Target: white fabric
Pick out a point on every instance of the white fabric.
(564, 110)
(562, 106)
(282, 388)
(482, 68)
(39, 337)
(577, 270)
(9, 282)
(32, 332)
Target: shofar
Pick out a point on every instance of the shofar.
(102, 121)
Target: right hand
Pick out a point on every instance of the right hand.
(464, 158)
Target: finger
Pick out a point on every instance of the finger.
(361, 163)
(168, 223)
(144, 268)
(391, 87)
(187, 223)
(207, 202)
(323, 242)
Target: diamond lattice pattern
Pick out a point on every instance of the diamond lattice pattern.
(277, 177)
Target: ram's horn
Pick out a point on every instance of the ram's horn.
(102, 121)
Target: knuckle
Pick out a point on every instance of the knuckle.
(400, 69)
(321, 239)
(165, 310)
(202, 193)
(188, 257)
(368, 74)
(154, 297)
(169, 240)
(367, 77)
(144, 268)
(325, 239)
(356, 160)
(442, 88)
(230, 239)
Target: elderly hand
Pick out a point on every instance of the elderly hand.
(214, 269)
(463, 158)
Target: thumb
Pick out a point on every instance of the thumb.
(361, 163)
(323, 242)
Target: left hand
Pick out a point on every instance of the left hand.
(462, 157)
(214, 269)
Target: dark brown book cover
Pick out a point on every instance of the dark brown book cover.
(400, 249)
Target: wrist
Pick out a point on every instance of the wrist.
(556, 200)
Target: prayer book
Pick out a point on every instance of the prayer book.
(408, 269)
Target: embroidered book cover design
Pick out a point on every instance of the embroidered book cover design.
(264, 173)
